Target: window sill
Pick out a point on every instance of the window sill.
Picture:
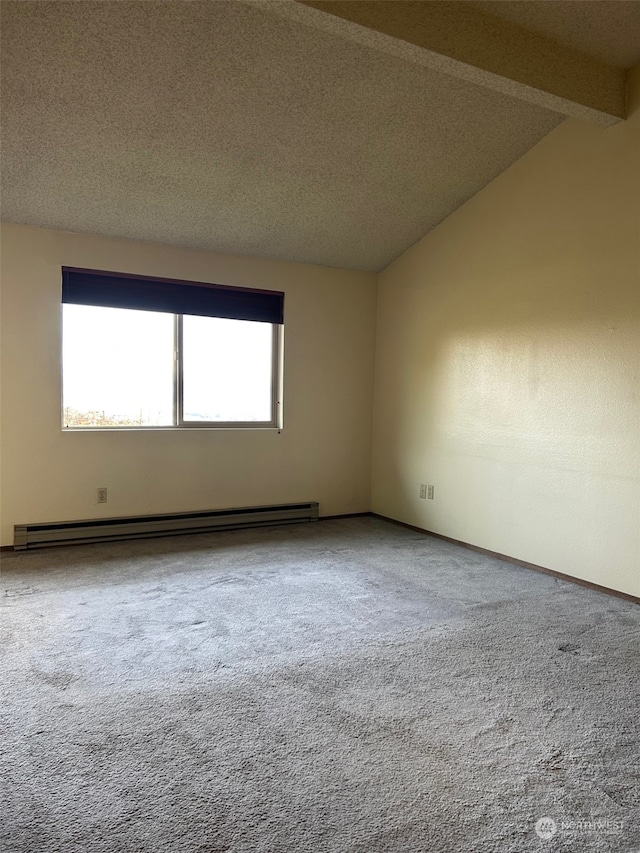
(194, 428)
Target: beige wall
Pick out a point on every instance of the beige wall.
(508, 363)
(322, 454)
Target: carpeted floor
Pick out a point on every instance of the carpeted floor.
(348, 686)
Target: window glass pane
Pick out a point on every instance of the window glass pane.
(117, 367)
(226, 369)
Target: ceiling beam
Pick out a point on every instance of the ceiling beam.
(459, 39)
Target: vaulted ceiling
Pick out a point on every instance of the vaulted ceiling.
(335, 133)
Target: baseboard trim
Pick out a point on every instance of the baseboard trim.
(6, 548)
(345, 515)
(513, 560)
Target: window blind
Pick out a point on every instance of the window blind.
(147, 293)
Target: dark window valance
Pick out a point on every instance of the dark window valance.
(122, 290)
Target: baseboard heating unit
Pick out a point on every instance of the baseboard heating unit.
(145, 526)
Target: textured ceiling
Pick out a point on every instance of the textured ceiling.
(222, 125)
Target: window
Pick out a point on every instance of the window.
(151, 353)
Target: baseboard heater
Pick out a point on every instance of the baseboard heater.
(146, 526)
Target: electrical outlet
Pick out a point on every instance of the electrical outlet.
(431, 492)
(102, 495)
(423, 490)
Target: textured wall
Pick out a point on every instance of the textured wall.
(508, 362)
(322, 454)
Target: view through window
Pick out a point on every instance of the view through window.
(131, 368)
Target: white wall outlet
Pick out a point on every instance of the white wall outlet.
(431, 492)
(102, 495)
(423, 490)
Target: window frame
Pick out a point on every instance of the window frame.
(179, 423)
(178, 403)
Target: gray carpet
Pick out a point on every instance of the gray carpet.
(342, 686)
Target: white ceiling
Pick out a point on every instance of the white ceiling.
(226, 126)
